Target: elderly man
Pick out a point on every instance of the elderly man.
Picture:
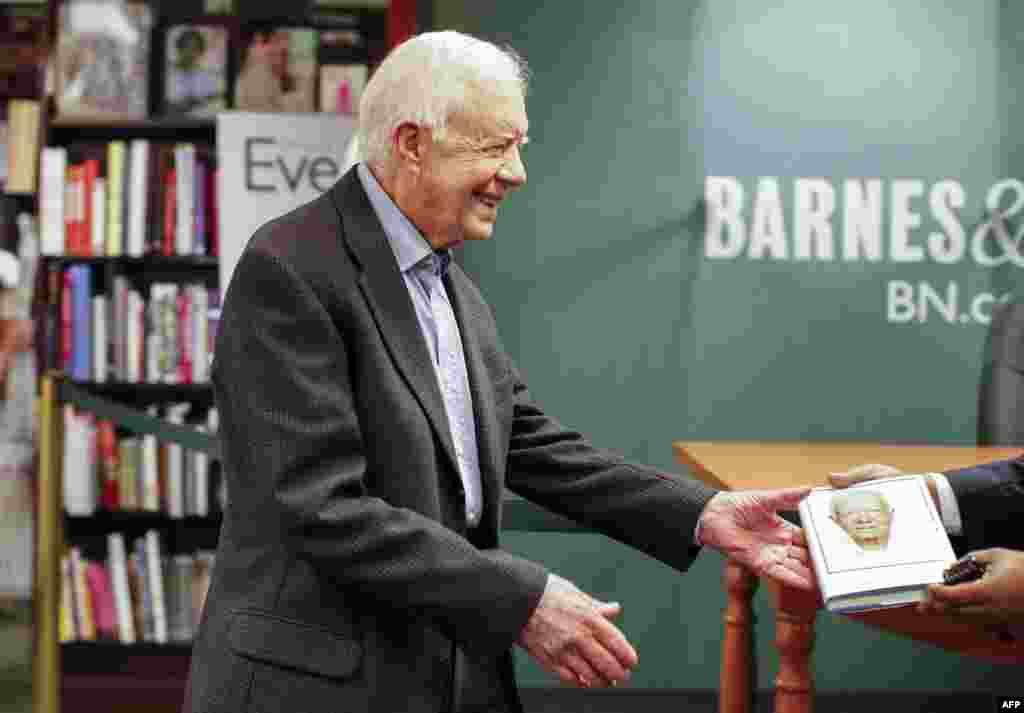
(371, 420)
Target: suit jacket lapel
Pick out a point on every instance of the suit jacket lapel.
(384, 289)
(481, 386)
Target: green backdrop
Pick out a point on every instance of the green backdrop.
(627, 329)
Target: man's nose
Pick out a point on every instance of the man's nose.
(513, 171)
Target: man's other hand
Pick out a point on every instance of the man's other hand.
(746, 527)
(570, 634)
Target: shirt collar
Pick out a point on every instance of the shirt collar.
(407, 243)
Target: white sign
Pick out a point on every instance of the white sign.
(270, 164)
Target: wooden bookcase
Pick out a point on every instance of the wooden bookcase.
(106, 676)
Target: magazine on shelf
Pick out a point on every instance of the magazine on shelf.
(103, 59)
(875, 545)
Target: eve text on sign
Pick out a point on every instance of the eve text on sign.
(269, 169)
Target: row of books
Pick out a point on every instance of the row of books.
(130, 198)
(141, 595)
(115, 472)
(163, 333)
(103, 65)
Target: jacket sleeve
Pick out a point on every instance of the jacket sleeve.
(991, 500)
(559, 469)
(293, 448)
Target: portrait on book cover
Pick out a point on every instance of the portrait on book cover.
(278, 70)
(865, 527)
(195, 77)
(865, 516)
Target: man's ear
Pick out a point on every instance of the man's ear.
(411, 143)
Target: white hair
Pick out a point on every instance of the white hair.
(424, 80)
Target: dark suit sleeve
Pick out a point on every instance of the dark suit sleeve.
(293, 443)
(991, 500)
(640, 506)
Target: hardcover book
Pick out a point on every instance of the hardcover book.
(277, 70)
(103, 59)
(875, 545)
(195, 70)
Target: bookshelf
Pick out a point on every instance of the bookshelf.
(105, 674)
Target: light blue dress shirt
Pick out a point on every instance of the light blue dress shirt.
(422, 270)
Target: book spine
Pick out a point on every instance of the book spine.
(53, 166)
(118, 565)
(155, 576)
(115, 194)
(99, 338)
(84, 621)
(90, 173)
(99, 217)
(66, 625)
(81, 326)
(138, 202)
(24, 118)
(98, 579)
(106, 443)
(150, 476)
(184, 167)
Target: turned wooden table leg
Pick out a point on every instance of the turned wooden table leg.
(795, 611)
(736, 681)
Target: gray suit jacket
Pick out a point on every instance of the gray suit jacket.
(345, 578)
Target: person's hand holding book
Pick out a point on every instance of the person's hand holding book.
(873, 471)
(993, 601)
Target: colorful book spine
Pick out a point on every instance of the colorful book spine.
(81, 325)
(115, 197)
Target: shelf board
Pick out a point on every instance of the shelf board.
(147, 392)
(65, 129)
(111, 520)
(107, 647)
(153, 261)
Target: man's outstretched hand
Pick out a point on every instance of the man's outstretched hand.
(746, 527)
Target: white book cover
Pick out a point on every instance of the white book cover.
(184, 173)
(99, 216)
(150, 474)
(99, 339)
(877, 544)
(154, 576)
(200, 334)
(80, 488)
(53, 170)
(137, 202)
(118, 563)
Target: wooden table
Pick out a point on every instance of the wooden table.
(740, 465)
